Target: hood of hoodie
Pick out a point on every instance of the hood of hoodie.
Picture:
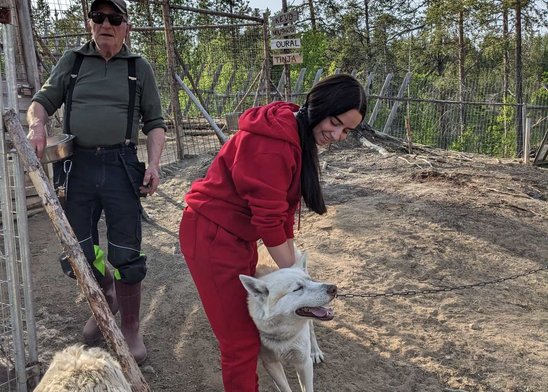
(276, 120)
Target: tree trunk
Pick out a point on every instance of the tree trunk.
(171, 65)
(312, 15)
(505, 67)
(367, 32)
(462, 56)
(519, 85)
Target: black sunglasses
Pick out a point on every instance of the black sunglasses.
(98, 17)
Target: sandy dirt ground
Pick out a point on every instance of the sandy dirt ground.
(395, 223)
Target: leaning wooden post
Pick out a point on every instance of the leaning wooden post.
(172, 65)
(71, 247)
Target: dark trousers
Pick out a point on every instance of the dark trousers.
(108, 179)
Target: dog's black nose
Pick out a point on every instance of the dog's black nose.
(331, 289)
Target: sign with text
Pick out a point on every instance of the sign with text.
(284, 30)
(289, 43)
(287, 58)
(287, 17)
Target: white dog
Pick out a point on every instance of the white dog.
(77, 369)
(282, 304)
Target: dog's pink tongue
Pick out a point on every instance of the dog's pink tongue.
(318, 312)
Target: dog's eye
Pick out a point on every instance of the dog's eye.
(300, 287)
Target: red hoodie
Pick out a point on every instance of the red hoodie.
(253, 187)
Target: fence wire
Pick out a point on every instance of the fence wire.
(18, 343)
(220, 58)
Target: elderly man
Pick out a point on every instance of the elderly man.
(106, 90)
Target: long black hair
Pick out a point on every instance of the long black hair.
(332, 96)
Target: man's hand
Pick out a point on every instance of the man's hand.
(37, 118)
(151, 180)
(155, 145)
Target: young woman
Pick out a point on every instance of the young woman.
(251, 192)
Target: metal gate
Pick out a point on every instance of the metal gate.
(18, 348)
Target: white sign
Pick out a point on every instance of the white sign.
(294, 43)
(284, 30)
(289, 58)
(288, 17)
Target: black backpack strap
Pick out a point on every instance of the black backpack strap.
(132, 85)
(73, 76)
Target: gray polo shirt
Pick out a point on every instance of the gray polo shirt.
(100, 98)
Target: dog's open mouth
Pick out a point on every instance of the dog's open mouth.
(317, 312)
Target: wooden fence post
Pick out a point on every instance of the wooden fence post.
(318, 76)
(377, 107)
(397, 103)
(171, 66)
(299, 85)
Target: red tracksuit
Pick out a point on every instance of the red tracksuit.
(250, 192)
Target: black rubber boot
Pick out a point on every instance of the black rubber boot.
(129, 302)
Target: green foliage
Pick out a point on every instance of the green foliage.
(540, 96)
(497, 139)
(42, 18)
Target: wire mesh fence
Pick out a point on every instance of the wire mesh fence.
(18, 343)
(221, 58)
(484, 121)
(217, 54)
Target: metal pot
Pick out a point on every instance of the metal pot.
(58, 147)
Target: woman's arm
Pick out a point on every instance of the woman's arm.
(284, 254)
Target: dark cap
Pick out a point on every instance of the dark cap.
(120, 5)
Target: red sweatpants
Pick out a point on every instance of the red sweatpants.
(215, 259)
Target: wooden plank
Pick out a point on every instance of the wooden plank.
(196, 81)
(299, 83)
(377, 107)
(227, 92)
(213, 85)
(319, 73)
(240, 95)
(369, 83)
(287, 58)
(285, 43)
(542, 155)
(285, 18)
(282, 31)
(397, 103)
(281, 82)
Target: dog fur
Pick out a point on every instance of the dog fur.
(283, 303)
(78, 369)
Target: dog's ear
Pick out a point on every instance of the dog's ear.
(301, 259)
(254, 286)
